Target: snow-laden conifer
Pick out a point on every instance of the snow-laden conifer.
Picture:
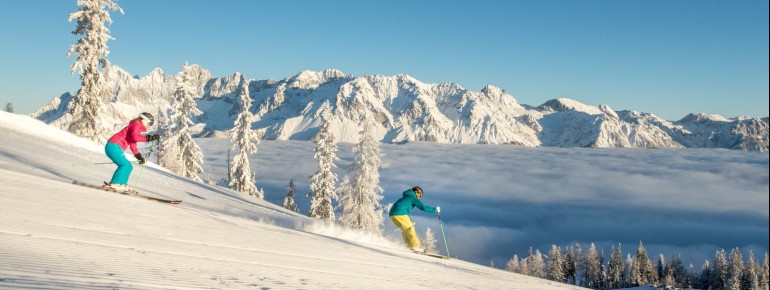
(592, 268)
(288, 201)
(643, 270)
(763, 274)
(90, 52)
(513, 265)
(535, 264)
(615, 268)
(322, 182)
(244, 140)
(9, 107)
(570, 265)
(750, 279)
(360, 194)
(555, 271)
(168, 149)
(720, 273)
(430, 242)
(183, 108)
(703, 280)
(736, 270)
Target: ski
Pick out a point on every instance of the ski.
(134, 193)
(432, 255)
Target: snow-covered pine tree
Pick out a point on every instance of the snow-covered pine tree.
(615, 271)
(644, 274)
(555, 266)
(9, 107)
(288, 201)
(90, 51)
(661, 269)
(736, 270)
(603, 276)
(322, 182)
(703, 279)
(570, 267)
(168, 149)
(535, 264)
(720, 272)
(678, 272)
(360, 194)
(210, 180)
(430, 242)
(764, 276)
(630, 271)
(592, 266)
(513, 264)
(245, 140)
(184, 107)
(750, 279)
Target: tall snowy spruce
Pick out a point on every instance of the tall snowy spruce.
(764, 276)
(361, 194)
(189, 155)
(555, 265)
(168, 150)
(245, 140)
(513, 264)
(720, 272)
(90, 51)
(288, 201)
(641, 268)
(592, 270)
(430, 243)
(535, 264)
(750, 278)
(615, 268)
(735, 269)
(322, 183)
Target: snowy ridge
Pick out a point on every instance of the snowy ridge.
(408, 110)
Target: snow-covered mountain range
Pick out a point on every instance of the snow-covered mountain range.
(409, 110)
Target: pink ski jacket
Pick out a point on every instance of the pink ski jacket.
(129, 135)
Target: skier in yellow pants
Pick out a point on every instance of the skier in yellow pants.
(399, 214)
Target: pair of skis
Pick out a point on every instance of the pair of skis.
(106, 187)
(432, 255)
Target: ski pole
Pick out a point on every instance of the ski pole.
(93, 163)
(442, 234)
(136, 183)
(89, 163)
(399, 229)
(385, 235)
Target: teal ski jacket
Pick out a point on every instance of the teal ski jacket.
(406, 203)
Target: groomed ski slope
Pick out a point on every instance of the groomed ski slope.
(55, 235)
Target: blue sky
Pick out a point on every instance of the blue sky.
(669, 58)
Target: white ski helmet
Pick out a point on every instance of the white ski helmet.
(147, 117)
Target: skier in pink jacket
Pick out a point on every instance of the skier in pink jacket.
(127, 138)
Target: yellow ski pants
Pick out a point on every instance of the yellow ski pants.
(407, 230)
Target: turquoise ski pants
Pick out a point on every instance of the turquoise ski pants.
(115, 153)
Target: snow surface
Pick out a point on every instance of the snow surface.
(56, 235)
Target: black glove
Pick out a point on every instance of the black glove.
(140, 158)
(151, 138)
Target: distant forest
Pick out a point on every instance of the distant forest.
(591, 269)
